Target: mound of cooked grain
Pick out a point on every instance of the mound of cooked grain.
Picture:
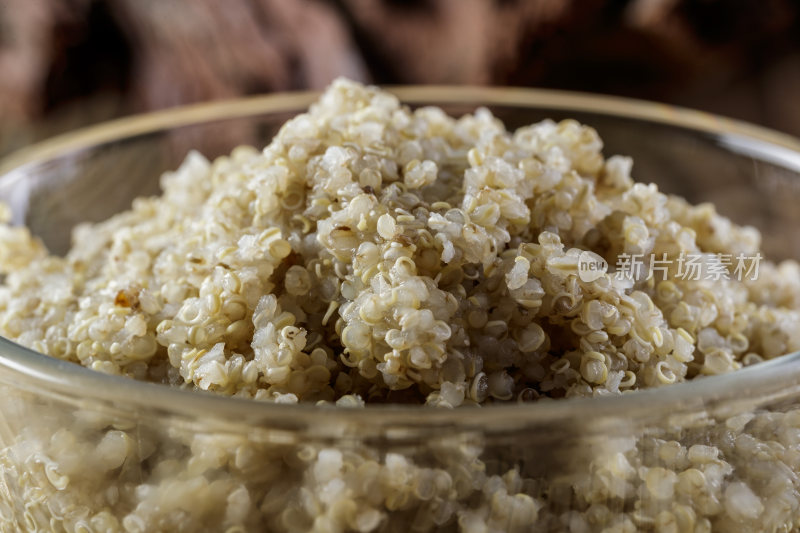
(376, 252)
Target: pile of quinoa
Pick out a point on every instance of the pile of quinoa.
(377, 254)
(381, 254)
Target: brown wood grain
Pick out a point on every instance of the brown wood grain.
(59, 58)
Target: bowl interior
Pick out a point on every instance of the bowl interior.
(750, 174)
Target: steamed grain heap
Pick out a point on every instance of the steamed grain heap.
(371, 253)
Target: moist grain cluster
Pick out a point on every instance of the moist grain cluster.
(385, 254)
(372, 253)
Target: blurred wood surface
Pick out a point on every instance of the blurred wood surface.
(66, 63)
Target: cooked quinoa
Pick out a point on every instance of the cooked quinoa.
(398, 255)
(376, 254)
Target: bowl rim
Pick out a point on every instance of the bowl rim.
(70, 382)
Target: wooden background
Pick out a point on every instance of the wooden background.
(65, 63)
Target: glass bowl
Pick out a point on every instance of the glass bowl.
(84, 451)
